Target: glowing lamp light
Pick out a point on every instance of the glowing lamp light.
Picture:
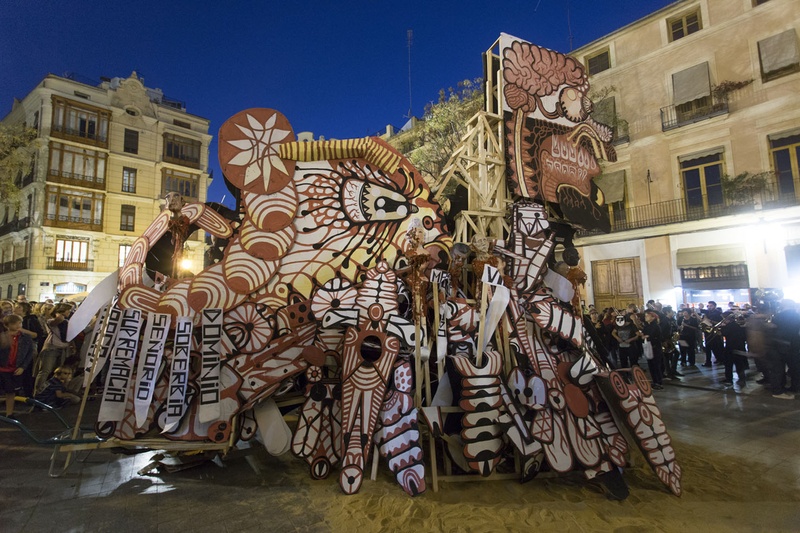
(186, 264)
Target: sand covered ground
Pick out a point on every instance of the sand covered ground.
(738, 452)
(720, 493)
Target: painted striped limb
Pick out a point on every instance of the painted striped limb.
(208, 219)
(365, 148)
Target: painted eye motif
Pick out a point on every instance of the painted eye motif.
(367, 202)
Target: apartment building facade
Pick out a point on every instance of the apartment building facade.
(698, 93)
(107, 155)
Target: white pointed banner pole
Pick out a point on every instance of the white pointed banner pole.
(495, 313)
(491, 317)
(100, 295)
(482, 319)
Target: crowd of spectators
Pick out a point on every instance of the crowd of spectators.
(768, 334)
(34, 353)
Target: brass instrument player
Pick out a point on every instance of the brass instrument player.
(687, 337)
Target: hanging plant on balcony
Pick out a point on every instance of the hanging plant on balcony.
(743, 188)
(724, 88)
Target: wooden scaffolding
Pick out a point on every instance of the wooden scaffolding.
(479, 163)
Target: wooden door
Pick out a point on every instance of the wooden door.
(617, 282)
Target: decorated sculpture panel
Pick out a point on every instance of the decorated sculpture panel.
(334, 295)
(553, 144)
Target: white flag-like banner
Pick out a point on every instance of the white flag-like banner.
(211, 360)
(179, 373)
(106, 341)
(120, 370)
(90, 344)
(150, 356)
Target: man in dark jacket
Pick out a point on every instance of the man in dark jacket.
(714, 344)
(786, 350)
(735, 349)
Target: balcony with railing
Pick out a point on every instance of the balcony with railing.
(23, 181)
(77, 180)
(14, 225)
(77, 266)
(15, 265)
(183, 160)
(675, 116)
(679, 210)
(85, 135)
(68, 222)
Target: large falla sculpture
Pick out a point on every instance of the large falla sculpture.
(332, 282)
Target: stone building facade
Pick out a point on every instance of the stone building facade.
(699, 93)
(107, 154)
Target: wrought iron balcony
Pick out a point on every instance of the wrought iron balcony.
(82, 266)
(13, 266)
(23, 181)
(677, 211)
(15, 225)
(675, 116)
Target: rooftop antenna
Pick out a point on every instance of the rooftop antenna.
(410, 36)
(569, 28)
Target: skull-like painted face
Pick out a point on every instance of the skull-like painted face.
(174, 201)
(619, 320)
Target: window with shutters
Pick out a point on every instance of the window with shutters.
(779, 55)
(598, 62)
(131, 145)
(692, 98)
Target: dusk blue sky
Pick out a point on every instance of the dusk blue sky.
(338, 69)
